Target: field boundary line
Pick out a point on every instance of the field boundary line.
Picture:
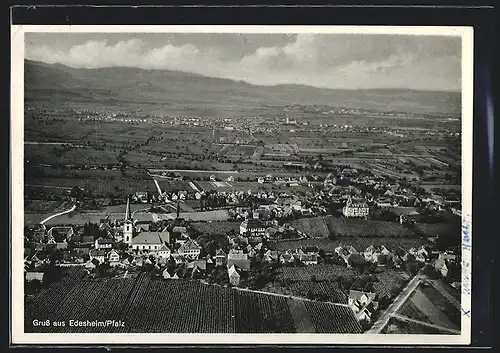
(289, 296)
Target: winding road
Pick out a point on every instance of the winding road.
(58, 214)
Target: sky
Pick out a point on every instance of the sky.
(344, 61)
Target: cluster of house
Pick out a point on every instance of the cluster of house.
(143, 242)
(281, 208)
(382, 256)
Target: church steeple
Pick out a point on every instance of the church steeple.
(127, 225)
(128, 214)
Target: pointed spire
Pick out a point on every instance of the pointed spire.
(128, 214)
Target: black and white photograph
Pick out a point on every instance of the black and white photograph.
(306, 185)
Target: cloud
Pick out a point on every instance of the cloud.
(333, 61)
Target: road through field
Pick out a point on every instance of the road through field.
(379, 325)
(58, 214)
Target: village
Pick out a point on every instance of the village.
(245, 255)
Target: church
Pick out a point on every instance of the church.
(150, 242)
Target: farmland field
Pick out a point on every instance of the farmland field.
(342, 227)
(444, 306)
(389, 280)
(217, 215)
(322, 272)
(409, 328)
(409, 309)
(173, 185)
(298, 281)
(70, 218)
(431, 308)
(216, 227)
(44, 206)
(94, 217)
(433, 230)
(99, 185)
(144, 306)
(313, 227)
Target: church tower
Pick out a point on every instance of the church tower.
(128, 225)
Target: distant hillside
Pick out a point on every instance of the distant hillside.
(132, 86)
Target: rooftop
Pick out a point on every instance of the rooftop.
(189, 245)
(151, 238)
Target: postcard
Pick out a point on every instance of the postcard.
(241, 184)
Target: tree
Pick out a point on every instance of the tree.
(412, 267)
(430, 271)
(76, 192)
(357, 261)
(365, 324)
(103, 269)
(370, 268)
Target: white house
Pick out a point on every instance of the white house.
(164, 251)
(190, 249)
(355, 209)
(170, 274)
(113, 257)
(440, 265)
(102, 243)
(141, 196)
(238, 258)
(363, 304)
(234, 276)
(220, 257)
(97, 254)
(252, 228)
(371, 254)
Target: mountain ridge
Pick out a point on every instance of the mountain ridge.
(162, 86)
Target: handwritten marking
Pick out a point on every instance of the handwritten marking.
(466, 244)
(466, 265)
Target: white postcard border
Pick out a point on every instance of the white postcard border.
(18, 336)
